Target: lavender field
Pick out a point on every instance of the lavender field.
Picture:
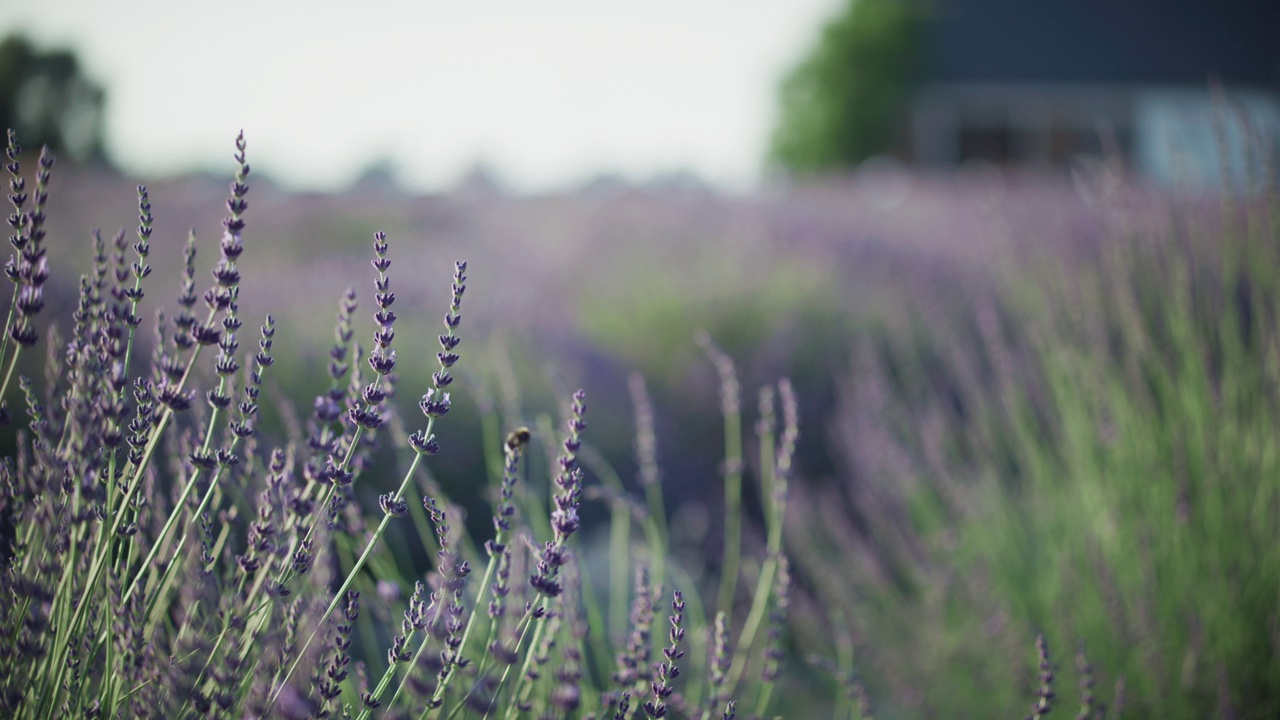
(1028, 405)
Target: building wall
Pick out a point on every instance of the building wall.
(1166, 134)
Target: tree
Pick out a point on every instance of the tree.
(48, 100)
(839, 105)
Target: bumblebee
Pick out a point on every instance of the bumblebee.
(518, 438)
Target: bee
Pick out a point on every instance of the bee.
(518, 438)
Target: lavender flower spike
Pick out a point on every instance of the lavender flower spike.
(564, 519)
(436, 402)
(667, 669)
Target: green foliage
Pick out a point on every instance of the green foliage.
(1149, 528)
(839, 105)
(652, 312)
(46, 96)
(1105, 472)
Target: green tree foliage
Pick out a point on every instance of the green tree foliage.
(838, 106)
(46, 97)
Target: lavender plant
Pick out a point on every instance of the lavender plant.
(164, 556)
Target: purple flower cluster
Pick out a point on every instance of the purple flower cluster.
(624, 705)
(646, 438)
(415, 619)
(248, 408)
(262, 532)
(667, 669)
(383, 357)
(225, 274)
(777, 622)
(327, 408)
(330, 686)
(497, 547)
(140, 268)
(169, 365)
(730, 389)
(1044, 693)
(633, 661)
(435, 403)
(564, 519)
(501, 586)
(719, 662)
(30, 268)
(506, 493)
(447, 599)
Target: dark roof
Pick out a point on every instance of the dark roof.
(1106, 41)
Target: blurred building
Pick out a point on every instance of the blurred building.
(1043, 82)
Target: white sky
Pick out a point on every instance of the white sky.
(548, 92)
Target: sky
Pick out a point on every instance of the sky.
(547, 93)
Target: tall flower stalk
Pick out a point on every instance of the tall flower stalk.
(435, 404)
(731, 410)
(29, 267)
(565, 521)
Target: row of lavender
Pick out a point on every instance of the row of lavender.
(216, 550)
(166, 558)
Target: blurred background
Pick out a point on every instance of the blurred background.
(1018, 259)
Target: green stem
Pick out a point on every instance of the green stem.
(762, 701)
(443, 685)
(390, 673)
(286, 573)
(526, 621)
(508, 473)
(658, 537)
(732, 510)
(165, 579)
(491, 636)
(845, 707)
(8, 375)
(524, 668)
(760, 602)
(346, 583)
(182, 500)
(8, 321)
(619, 567)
